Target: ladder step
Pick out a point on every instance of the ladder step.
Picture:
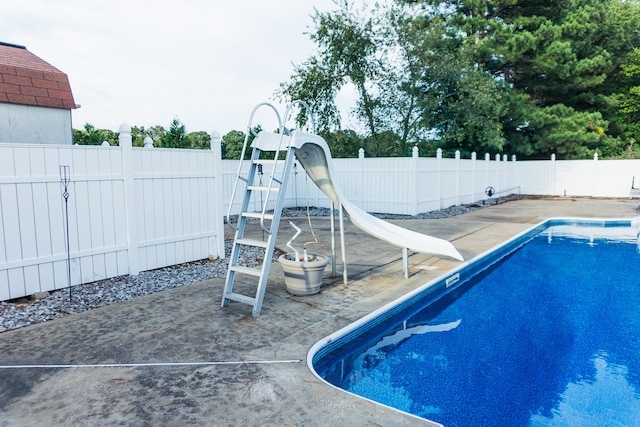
(263, 188)
(252, 242)
(240, 298)
(246, 270)
(257, 215)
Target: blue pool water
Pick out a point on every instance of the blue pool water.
(547, 335)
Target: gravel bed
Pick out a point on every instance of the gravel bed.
(26, 311)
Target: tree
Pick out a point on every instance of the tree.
(138, 135)
(410, 77)
(314, 83)
(92, 136)
(558, 63)
(349, 52)
(628, 109)
(156, 133)
(176, 136)
(563, 66)
(233, 141)
(200, 140)
(469, 115)
(343, 143)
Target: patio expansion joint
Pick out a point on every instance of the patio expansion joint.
(153, 364)
(471, 233)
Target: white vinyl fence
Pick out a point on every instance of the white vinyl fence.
(129, 209)
(396, 185)
(134, 209)
(414, 185)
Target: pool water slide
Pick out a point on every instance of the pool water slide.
(313, 154)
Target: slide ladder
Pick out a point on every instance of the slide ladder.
(314, 155)
(257, 192)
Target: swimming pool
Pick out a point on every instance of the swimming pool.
(544, 330)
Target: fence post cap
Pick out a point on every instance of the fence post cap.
(124, 128)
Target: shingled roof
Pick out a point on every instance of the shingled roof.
(26, 79)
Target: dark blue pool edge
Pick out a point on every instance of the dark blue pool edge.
(445, 282)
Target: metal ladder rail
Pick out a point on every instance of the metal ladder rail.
(228, 293)
(284, 132)
(272, 179)
(239, 176)
(269, 245)
(275, 225)
(239, 239)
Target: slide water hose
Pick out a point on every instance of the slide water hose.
(313, 233)
(295, 251)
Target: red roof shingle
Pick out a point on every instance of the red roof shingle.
(27, 79)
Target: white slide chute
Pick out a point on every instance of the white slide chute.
(314, 155)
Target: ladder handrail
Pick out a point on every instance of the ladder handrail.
(244, 148)
(283, 132)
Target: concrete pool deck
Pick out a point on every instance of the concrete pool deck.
(177, 358)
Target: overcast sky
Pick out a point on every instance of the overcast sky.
(144, 62)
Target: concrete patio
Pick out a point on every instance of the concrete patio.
(183, 360)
